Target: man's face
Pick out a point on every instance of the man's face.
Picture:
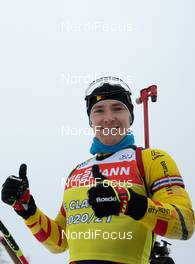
(110, 121)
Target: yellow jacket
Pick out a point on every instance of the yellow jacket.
(118, 238)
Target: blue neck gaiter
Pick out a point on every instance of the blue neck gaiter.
(98, 147)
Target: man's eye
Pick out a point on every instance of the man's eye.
(118, 109)
(98, 111)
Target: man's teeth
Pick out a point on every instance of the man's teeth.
(109, 127)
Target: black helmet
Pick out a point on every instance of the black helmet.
(108, 88)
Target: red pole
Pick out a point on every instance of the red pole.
(145, 93)
(146, 123)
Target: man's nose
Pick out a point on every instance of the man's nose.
(108, 117)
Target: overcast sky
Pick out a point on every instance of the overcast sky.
(50, 51)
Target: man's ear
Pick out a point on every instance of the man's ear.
(90, 123)
(130, 119)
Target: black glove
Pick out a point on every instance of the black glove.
(15, 192)
(107, 198)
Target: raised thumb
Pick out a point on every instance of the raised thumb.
(97, 174)
(22, 171)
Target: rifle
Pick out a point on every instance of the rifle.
(159, 254)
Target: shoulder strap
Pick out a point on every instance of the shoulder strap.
(138, 153)
(140, 166)
(139, 161)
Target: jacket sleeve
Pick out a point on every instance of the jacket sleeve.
(51, 233)
(169, 210)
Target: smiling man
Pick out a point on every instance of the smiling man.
(110, 112)
(111, 212)
(110, 120)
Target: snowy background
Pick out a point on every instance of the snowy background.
(50, 51)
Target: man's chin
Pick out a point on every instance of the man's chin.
(110, 140)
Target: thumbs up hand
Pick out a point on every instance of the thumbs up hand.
(106, 198)
(15, 191)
